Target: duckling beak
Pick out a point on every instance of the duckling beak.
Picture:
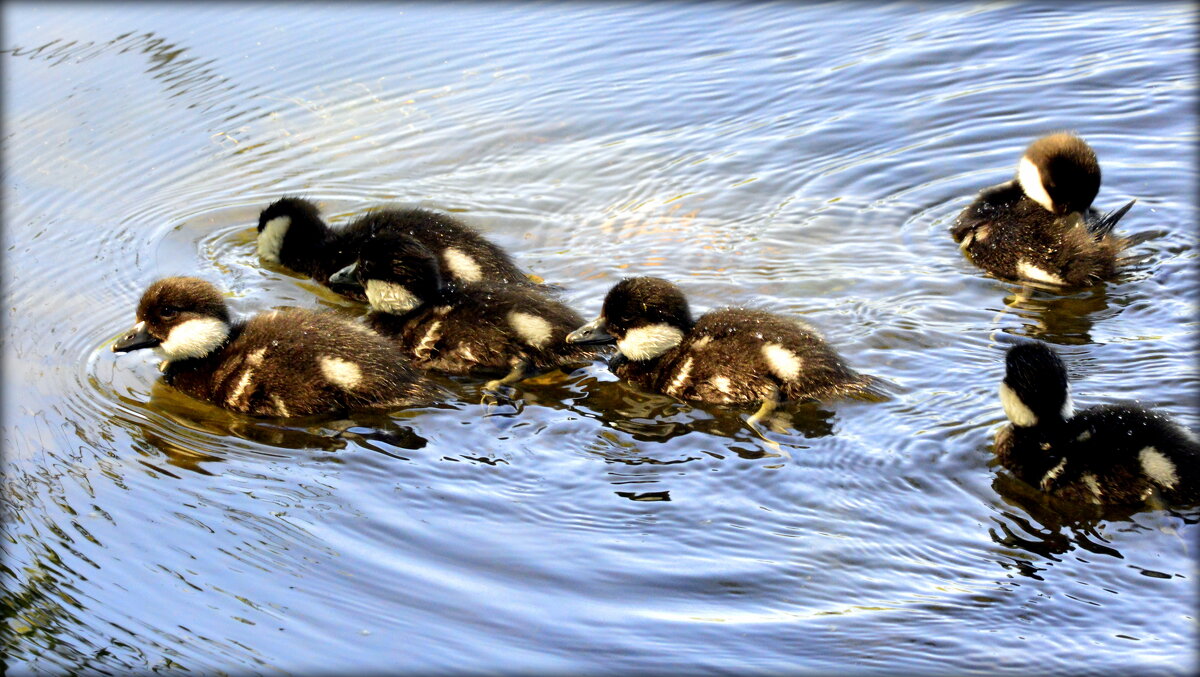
(592, 332)
(135, 339)
(346, 277)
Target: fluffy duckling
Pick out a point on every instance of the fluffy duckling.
(292, 233)
(281, 363)
(1116, 454)
(730, 356)
(1041, 226)
(460, 328)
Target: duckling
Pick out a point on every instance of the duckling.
(1041, 226)
(456, 327)
(292, 233)
(729, 356)
(1109, 454)
(276, 364)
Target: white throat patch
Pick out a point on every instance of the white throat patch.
(647, 343)
(390, 297)
(461, 265)
(1031, 182)
(1020, 415)
(270, 240)
(194, 338)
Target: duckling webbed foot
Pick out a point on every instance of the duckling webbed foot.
(502, 387)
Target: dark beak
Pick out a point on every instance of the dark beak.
(346, 277)
(136, 339)
(592, 332)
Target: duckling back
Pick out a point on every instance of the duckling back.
(1014, 238)
(475, 328)
(1124, 454)
(296, 363)
(740, 355)
(463, 254)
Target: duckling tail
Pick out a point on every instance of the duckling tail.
(1105, 224)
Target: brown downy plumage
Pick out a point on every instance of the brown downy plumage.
(730, 356)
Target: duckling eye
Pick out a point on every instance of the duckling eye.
(168, 312)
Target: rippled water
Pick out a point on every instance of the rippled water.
(803, 158)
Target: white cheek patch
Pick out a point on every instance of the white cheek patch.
(390, 297)
(646, 343)
(462, 265)
(341, 372)
(270, 240)
(1029, 271)
(783, 363)
(681, 377)
(1020, 415)
(194, 338)
(532, 329)
(1031, 182)
(1158, 467)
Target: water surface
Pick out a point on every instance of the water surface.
(805, 158)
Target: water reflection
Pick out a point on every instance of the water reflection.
(1049, 528)
(187, 431)
(1049, 315)
(152, 531)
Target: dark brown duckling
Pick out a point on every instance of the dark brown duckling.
(1110, 454)
(729, 356)
(277, 364)
(461, 328)
(1041, 226)
(292, 233)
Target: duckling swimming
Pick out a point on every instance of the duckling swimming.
(281, 363)
(292, 233)
(1041, 226)
(1108, 454)
(730, 356)
(460, 328)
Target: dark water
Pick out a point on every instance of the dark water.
(806, 158)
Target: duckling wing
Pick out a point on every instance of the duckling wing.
(989, 205)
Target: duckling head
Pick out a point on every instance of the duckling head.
(1035, 390)
(1060, 172)
(290, 230)
(397, 273)
(183, 317)
(644, 316)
